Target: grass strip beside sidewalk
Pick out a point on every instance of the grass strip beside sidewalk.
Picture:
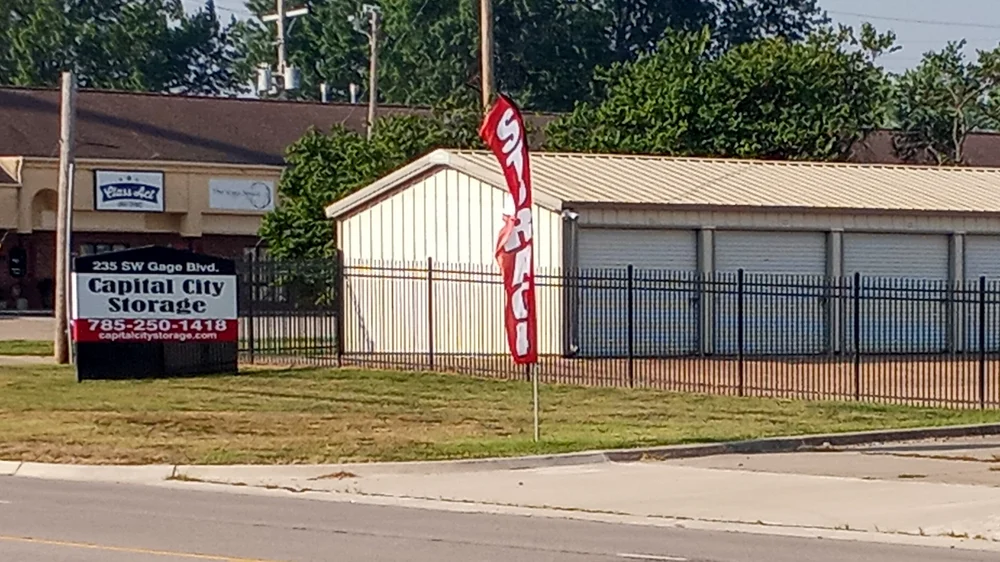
(26, 347)
(328, 416)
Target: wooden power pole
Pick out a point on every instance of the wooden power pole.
(66, 157)
(374, 25)
(486, 50)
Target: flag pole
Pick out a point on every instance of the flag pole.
(534, 384)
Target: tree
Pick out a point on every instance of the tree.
(943, 100)
(743, 21)
(636, 26)
(546, 50)
(145, 45)
(770, 98)
(322, 168)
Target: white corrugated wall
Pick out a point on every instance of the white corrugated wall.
(453, 220)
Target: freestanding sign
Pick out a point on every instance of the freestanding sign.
(154, 311)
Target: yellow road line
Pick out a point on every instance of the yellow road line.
(107, 548)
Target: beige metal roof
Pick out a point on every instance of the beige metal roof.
(564, 179)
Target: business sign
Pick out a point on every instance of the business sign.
(504, 132)
(239, 194)
(154, 294)
(128, 191)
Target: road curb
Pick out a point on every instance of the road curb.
(95, 473)
(801, 443)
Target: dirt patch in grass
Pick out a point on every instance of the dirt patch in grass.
(324, 415)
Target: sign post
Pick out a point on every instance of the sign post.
(153, 312)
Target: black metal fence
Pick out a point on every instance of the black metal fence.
(288, 309)
(857, 338)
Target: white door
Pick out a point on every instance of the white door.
(784, 285)
(904, 280)
(982, 259)
(664, 292)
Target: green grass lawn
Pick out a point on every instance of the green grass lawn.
(26, 347)
(322, 415)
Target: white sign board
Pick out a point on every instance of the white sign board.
(153, 294)
(239, 194)
(128, 191)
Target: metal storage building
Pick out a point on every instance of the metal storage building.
(669, 218)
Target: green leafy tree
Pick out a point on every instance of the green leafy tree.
(145, 45)
(942, 101)
(546, 50)
(770, 98)
(324, 167)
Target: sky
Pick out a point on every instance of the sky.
(920, 25)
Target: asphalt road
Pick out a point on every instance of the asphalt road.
(51, 521)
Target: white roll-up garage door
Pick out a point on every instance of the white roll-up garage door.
(664, 292)
(982, 259)
(783, 292)
(904, 291)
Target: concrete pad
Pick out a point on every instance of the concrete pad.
(34, 328)
(268, 475)
(8, 468)
(94, 473)
(25, 360)
(254, 475)
(663, 491)
(985, 449)
(867, 466)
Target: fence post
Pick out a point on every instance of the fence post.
(982, 342)
(857, 335)
(340, 276)
(251, 278)
(631, 326)
(739, 330)
(430, 313)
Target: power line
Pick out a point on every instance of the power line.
(917, 21)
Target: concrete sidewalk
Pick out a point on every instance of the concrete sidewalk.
(664, 491)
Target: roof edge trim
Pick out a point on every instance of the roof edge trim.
(153, 164)
(387, 183)
(439, 158)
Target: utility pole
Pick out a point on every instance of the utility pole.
(64, 208)
(288, 73)
(486, 50)
(373, 21)
(280, 13)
